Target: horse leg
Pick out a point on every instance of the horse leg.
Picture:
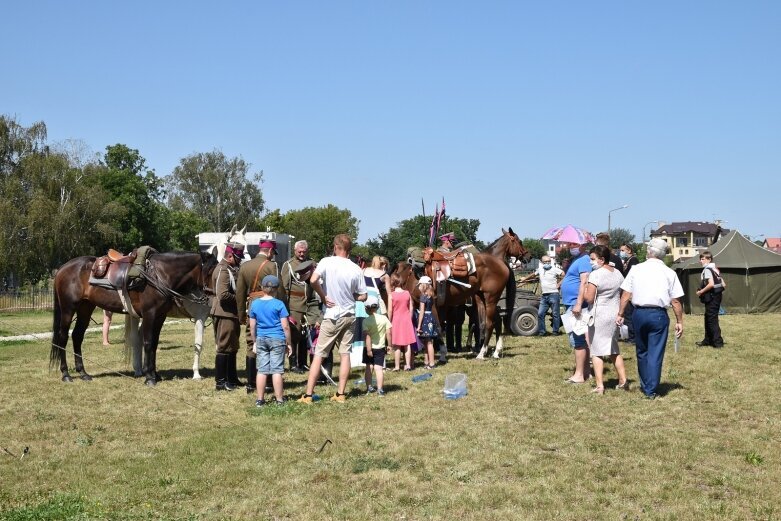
(497, 323)
(198, 348)
(133, 343)
(60, 330)
(151, 327)
(482, 319)
(83, 315)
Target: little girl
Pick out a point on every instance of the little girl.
(378, 333)
(400, 315)
(428, 328)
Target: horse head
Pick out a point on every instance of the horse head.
(514, 245)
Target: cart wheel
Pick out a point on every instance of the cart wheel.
(523, 321)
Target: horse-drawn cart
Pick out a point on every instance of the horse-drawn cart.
(523, 321)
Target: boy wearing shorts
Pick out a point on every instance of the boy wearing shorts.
(270, 332)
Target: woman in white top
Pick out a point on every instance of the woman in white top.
(603, 291)
(378, 281)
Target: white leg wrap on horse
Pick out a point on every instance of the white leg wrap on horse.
(481, 354)
(499, 347)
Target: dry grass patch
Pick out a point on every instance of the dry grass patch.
(521, 445)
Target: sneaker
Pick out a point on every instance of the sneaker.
(338, 398)
(305, 399)
(280, 402)
(260, 403)
(380, 392)
(370, 389)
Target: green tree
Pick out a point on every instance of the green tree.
(272, 221)
(619, 236)
(50, 209)
(139, 192)
(535, 247)
(415, 232)
(318, 226)
(221, 190)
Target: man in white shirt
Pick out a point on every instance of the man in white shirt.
(344, 285)
(549, 276)
(652, 287)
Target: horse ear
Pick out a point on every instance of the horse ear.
(503, 230)
(232, 232)
(511, 230)
(242, 230)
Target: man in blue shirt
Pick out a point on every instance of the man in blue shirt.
(573, 288)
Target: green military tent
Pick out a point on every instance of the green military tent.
(752, 275)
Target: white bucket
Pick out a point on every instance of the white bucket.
(455, 386)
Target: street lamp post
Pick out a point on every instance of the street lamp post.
(611, 211)
(646, 224)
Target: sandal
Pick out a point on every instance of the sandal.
(408, 369)
(598, 390)
(396, 370)
(624, 386)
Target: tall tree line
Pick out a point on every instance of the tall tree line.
(58, 202)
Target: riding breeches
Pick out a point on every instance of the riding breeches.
(226, 334)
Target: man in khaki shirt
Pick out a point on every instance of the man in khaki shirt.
(248, 285)
(226, 318)
(302, 302)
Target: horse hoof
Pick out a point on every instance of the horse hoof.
(138, 374)
(66, 378)
(86, 378)
(479, 357)
(197, 377)
(150, 382)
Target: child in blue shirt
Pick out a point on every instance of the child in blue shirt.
(270, 332)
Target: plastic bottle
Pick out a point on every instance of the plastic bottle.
(360, 381)
(421, 377)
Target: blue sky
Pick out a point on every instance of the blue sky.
(522, 114)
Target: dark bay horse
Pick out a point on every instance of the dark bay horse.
(169, 277)
(491, 278)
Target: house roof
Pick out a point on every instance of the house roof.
(688, 226)
(773, 243)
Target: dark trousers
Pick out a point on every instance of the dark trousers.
(712, 328)
(651, 328)
(226, 334)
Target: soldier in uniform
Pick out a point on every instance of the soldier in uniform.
(302, 302)
(226, 318)
(247, 289)
(447, 242)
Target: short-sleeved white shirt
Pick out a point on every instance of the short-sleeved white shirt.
(342, 280)
(549, 279)
(652, 283)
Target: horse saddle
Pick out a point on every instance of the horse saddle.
(110, 264)
(443, 265)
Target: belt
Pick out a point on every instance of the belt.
(297, 293)
(649, 307)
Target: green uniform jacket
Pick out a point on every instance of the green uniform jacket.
(248, 273)
(224, 303)
(301, 300)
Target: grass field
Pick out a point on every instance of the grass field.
(521, 445)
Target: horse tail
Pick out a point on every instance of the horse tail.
(511, 289)
(57, 350)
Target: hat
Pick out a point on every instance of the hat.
(371, 302)
(266, 243)
(304, 266)
(449, 236)
(270, 281)
(425, 279)
(234, 248)
(658, 244)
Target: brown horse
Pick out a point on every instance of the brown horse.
(491, 278)
(169, 277)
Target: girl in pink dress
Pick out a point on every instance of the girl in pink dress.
(400, 315)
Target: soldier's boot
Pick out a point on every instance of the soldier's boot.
(221, 373)
(252, 373)
(233, 377)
